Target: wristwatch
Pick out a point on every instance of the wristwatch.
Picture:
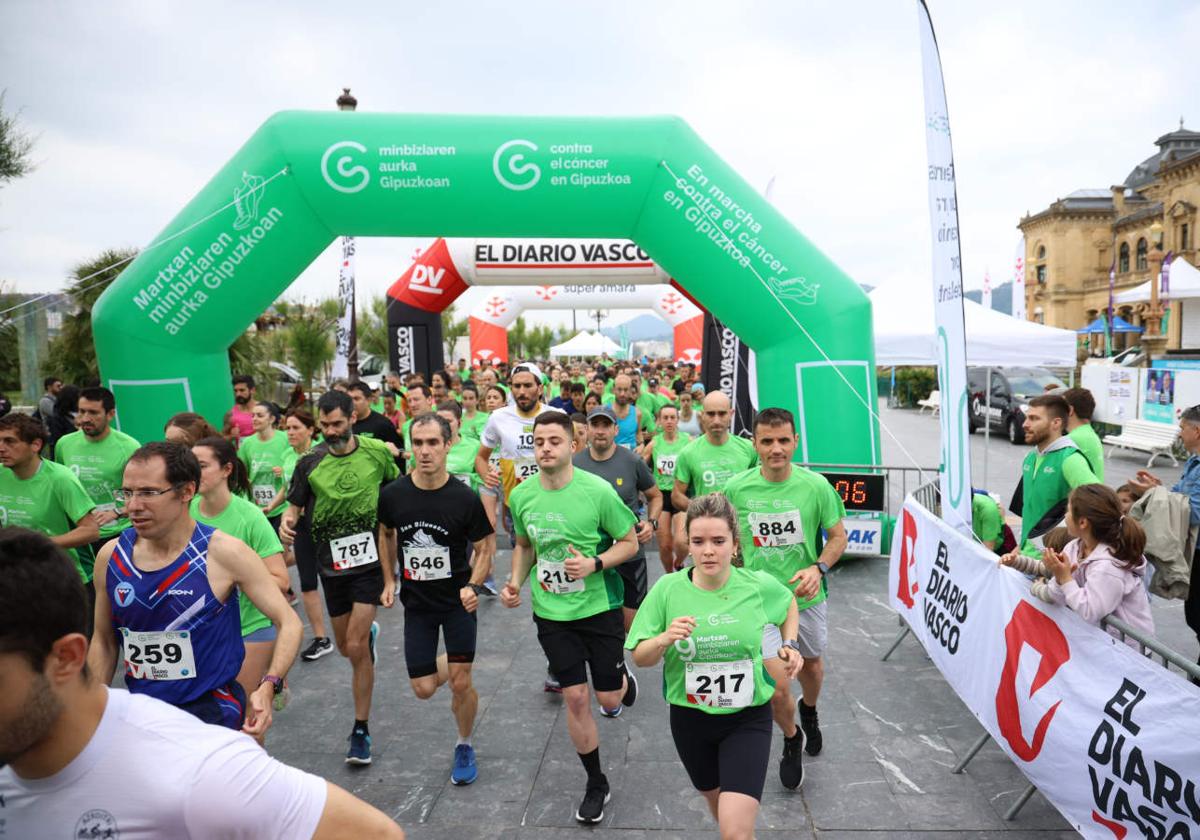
(599, 564)
(793, 644)
(823, 569)
(477, 588)
(276, 682)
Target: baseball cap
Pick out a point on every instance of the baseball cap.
(527, 367)
(602, 411)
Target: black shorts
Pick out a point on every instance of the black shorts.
(668, 505)
(633, 575)
(730, 752)
(342, 592)
(306, 559)
(597, 641)
(421, 639)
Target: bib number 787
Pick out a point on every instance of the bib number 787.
(353, 551)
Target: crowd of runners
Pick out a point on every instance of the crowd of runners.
(402, 495)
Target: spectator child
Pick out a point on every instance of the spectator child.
(1127, 494)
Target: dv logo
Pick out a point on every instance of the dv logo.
(1028, 626)
(426, 279)
(908, 562)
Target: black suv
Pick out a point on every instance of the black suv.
(1012, 388)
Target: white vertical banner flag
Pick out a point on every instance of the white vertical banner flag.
(1018, 281)
(341, 350)
(987, 290)
(947, 288)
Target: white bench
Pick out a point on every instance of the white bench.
(1144, 436)
(933, 403)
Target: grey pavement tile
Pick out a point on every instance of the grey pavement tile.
(656, 795)
(851, 795)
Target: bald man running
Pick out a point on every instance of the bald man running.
(708, 462)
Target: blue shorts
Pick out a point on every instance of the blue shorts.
(262, 634)
(224, 706)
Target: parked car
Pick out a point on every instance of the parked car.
(1012, 388)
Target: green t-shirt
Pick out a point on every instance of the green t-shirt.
(261, 457)
(666, 454)
(51, 501)
(242, 519)
(648, 403)
(986, 520)
(460, 462)
(580, 514)
(781, 521)
(704, 468)
(472, 427)
(1088, 441)
(340, 493)
(99, 465)
(719, 668)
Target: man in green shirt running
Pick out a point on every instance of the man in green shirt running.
(1081, 405)
(783, 510)
(708, 462)
(1050, 472)
(45, 496)
(560, 516)
(97, 453)
(662, 453)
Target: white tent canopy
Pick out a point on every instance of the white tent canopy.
(905, 335)
(586, 344)
(1184, 283)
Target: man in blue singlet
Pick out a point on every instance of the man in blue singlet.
(629, 416)
(167, 594)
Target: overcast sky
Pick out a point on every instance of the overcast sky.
(136, 105)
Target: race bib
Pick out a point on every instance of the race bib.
(353, 551)
(427, 563)
(554, 579)
(494, 462)
(666, 464)
(159, 654)
(776, 530)
(720, 685)
(524, 468)
(263, 494)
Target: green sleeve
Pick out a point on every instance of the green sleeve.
(985, 518)
(776, 598)
(615, 518)
(390, 471)
(682, 470)
(832, 509)
(651, 618)
(262, 537)
(1076, 471)
(515, 507)
(244, 454)
(73, 498)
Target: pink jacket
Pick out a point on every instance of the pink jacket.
(1100, 586)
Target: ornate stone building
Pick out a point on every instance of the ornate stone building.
(1070, 246)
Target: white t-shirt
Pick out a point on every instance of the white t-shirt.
(152, 771)
(510, 436)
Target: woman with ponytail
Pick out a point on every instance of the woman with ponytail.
(1101, 570)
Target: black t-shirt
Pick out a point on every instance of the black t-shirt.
(379, 427)
(433, 528)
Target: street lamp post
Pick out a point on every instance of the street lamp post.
(347, 102)
(1153, 340)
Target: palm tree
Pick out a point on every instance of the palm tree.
(72, 354)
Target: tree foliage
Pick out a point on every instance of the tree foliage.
(15, 147)
(10, 362)
(372, 328)
(72, 354)
(309, 335)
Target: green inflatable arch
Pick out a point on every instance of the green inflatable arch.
(163, 328)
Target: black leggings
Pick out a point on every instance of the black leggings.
(726, 751)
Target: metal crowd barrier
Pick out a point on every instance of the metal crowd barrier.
(1150, 647)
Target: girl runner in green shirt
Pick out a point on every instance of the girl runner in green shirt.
(661, 455)
(705, 623)
(221, 505)
(263, 455)
(300, 429)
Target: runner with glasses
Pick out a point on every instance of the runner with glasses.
(166, 598)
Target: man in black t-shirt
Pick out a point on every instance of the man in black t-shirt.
(434, 519)
(372, 424)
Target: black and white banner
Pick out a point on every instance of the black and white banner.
(1110, 738)
(728, 367)
(343, 332)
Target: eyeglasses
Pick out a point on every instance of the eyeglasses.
(124, 494)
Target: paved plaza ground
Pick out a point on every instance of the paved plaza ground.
(892, 729)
